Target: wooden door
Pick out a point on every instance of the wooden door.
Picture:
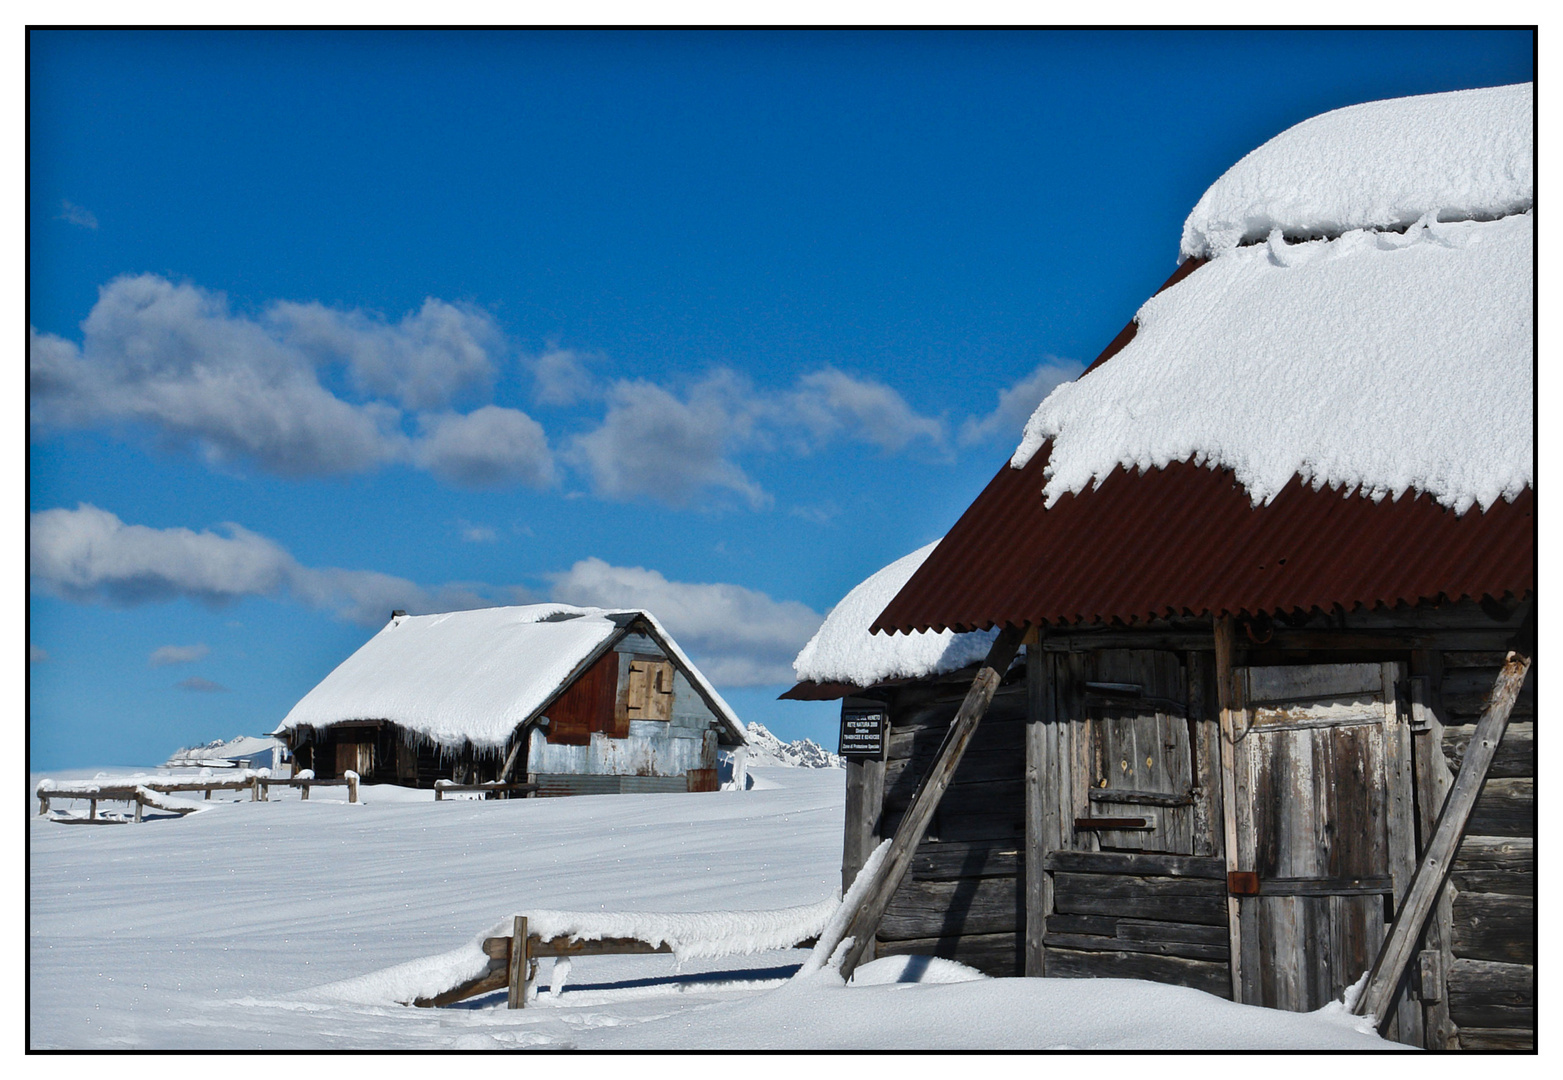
(1325, 849)
(357, 757)
(1139, 761)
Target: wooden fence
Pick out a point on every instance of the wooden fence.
(512, 963)
(144, 793)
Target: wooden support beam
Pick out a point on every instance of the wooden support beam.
(515, 978)
(1400, 945)
(1432, 788)
(1040, 827)
(930, 789)
(1230, 699)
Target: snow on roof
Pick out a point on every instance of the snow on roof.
(842, 650)
(474, 675)
(1377, 361)
(1462, 155)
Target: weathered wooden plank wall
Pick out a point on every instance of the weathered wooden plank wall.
(964, 897)
(1491, 894)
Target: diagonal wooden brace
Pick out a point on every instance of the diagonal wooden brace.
(1400, 946)
(930, 789)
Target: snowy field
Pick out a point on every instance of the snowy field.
(277, 926)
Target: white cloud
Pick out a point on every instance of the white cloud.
(35, 655)
(488, 447)
(88, 555)
(239, 389)
(561, 377)
(198, 685)
(1018, 402)
(177, 654)
(423, 361)
(831, 403)
(173, 357)
(738, 636)
(652, 445)
(77, 215)
(477, 534)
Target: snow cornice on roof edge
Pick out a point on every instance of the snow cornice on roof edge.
(1466, 155)
(1376, 362)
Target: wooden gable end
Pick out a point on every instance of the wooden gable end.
(586, 705)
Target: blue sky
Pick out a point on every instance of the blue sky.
(713, 323)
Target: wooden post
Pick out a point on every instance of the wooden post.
(138, 807)
(255, 789)
(304, 791)
(92, 809)
(352, 786)
(43, 805)
(1432, 789)
(1231, 707)
(865, 805)
(930, 789)
(1433, 868)
(516, 978)
(1040, 796)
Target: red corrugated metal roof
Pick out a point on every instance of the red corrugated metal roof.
(1186, 541)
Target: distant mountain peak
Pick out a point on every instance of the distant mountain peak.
(766, 749)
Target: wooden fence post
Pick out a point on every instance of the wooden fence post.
(303, 791)
(1433, 868)
(516, 979)
(930, 789)
(352, 786)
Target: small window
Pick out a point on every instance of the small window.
(649, 693)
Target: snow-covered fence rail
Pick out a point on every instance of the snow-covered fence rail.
(445, 787)
(350, 781)
(563, 935)
(140, 794)
(146, 792)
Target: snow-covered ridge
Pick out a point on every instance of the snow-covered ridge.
(842, 650)
(1467, 155)
(1377, 362)
(765, 749)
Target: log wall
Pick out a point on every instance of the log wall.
(962, 898)
(1086, 905)
(1490, 900)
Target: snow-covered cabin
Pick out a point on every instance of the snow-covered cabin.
(1266, 555)
(576, 700)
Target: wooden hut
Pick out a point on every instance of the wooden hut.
(575, 700)
(1261, 621)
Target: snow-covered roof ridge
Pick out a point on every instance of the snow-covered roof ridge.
(1466, 155)
(1375, 362)
(476, 675)
(843, 651)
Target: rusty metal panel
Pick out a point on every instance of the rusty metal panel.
(552, 785)
(1186, 541)
(654, 785)
(586, 705)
